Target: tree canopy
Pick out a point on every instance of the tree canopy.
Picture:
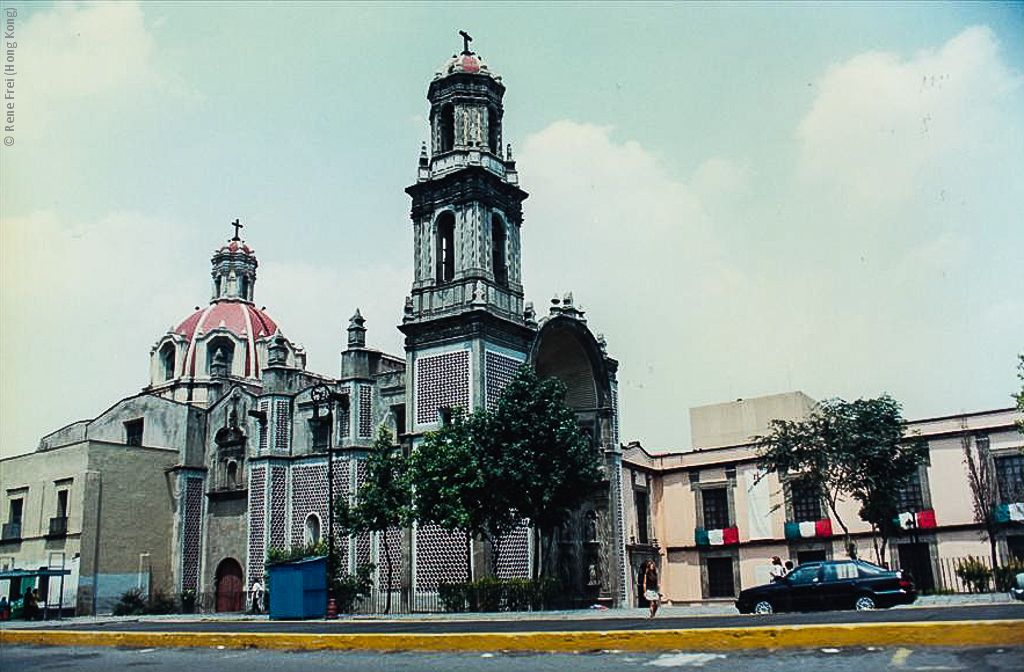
(485, 472)
(384, 501)
(848, 449)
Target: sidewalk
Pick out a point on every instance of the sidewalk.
(723, 608)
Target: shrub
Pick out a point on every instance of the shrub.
(974, 573)
(161, 603)
(1006, 574)
(491, 593)
(131, 603)
(347, 589)
(281, 555)
(188, 602)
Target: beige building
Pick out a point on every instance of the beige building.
(95, 499)
(712, 525)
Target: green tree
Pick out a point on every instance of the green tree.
(547, 466)
(459, 485)
(848, 449)
(384, 501)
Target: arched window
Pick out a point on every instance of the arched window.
(446, 125)
(493, 126)
(216, 287)
(231, 474)
(220, 351)
(498, 240)
(446, 247)
(167, 360)
(243, 287)
(311, 534)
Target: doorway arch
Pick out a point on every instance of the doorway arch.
(228, 582)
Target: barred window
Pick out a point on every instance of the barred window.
(716, 508)
(1010, 476)
(806, 501)
(910, 498)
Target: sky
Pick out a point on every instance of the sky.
(746, 198)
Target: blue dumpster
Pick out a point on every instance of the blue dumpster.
(298, 589)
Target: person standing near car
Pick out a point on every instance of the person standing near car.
(650, 588)
(776, 571)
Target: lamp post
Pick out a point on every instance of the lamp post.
(322, 395)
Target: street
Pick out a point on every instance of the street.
(18, 658)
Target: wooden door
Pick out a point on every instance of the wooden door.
(230, 592)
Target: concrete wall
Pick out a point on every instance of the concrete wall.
(739, 421)
(129, 503)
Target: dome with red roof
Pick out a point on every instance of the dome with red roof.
(243, 320)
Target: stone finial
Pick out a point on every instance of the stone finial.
(278, 351)
(529, 315)
(356, 331)
(508, 152)
(602, 343)
(219, 365)
(424, 159)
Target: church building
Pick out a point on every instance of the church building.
(234, 447)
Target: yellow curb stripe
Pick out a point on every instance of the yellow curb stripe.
(936, 634)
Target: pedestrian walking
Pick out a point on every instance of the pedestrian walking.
(257, 596)
(650, 588)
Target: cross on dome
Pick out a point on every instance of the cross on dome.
(466, 39)
(237, 226)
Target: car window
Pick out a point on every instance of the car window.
(840, 570)
(804, 574)
(872, 570)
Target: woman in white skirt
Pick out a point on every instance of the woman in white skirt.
(650, 587)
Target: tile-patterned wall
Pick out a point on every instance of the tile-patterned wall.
(442, 381)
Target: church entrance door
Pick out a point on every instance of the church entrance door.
(229, 585)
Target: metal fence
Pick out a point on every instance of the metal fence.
(947, 579)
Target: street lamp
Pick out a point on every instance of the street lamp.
(323, 396)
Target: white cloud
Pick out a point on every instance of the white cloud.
(80, 307)
(880, 123)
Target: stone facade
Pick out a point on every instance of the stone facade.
(224, 455)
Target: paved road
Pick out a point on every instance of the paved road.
(523, 623)
(17, 658)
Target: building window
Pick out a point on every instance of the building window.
(398, 413)
(720, 577)
(220, 355)
(715, 502)
(641, 498)
(62, 503)
(311, 534)
(167, 360)
(806, 501)
(12, 528)
(1010, 477)
(133, 432)
(446, 247)
(318, 432)
(910, 498)
(498, 240)
(444, 416)
(446, 128)
(243, 288)
(493, 128)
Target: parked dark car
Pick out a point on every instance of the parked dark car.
(836, 584)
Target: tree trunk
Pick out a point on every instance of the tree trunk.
(536, 552)
(390, 566)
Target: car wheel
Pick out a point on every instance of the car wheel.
(864, 603)
(763, 607)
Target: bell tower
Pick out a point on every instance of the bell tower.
(465, 325)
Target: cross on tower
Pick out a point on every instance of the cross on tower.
(466, 39)
(237, 227)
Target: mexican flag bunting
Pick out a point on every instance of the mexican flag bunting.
(721, 537)
(1004, 513)
(921, 519)
(808, 528)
